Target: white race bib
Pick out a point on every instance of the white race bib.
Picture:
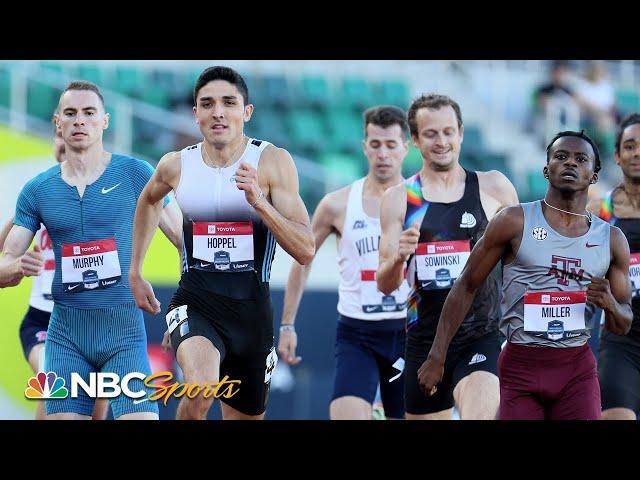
(373, 300)
(49, 269)
(90, 266)
(634, 273)
(440, 263)
(223, 246)
(555, 315)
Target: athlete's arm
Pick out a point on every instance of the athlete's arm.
(496, 192)
(5, 231)
(286, 216)
(322, 225)
(491, 247)
(145, 222)
(613, 293)
(16, 262)
(396, 245)
(171, 224)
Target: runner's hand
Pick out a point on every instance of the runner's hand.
(247, 180)
(287, 347)
(430, 375)
(143, 294)
(32, 262)
(409, 241)
(599, 293)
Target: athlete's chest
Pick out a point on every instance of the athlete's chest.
(363, 236)
(105, 207)
(463, 219)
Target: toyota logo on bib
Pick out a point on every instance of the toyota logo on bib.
(539, 233)
(211, 229)
(76, 250)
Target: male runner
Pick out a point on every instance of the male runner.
(238, 196)
(433, 220)
(370, 339)
(34, 325)
(559, 264)
(619, 360)
(87, 204)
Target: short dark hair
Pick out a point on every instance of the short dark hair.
(221, 73)
(83, 85)
(432, 101)
(631, 119)
(385, 116)
(583, 136)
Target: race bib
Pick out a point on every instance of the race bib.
(634, 274)
(90, 266)
(49, 269)
(555, 315)
(373, 300)
(48, 272)
(176, 317)
(440, 263)
(223, 246)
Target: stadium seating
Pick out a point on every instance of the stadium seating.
(311, 116)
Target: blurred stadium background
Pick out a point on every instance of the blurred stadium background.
(313, 109)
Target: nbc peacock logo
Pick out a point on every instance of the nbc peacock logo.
(46, 385)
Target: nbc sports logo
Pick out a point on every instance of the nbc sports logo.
(46, 385)
(76, 250)
(546, 298)
(211, 229)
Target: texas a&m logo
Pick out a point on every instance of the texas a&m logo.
(565, 269)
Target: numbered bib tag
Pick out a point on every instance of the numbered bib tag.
(90, 266)
(223, 246)
(440, 263)
(175, 317)
(373, 300)
(555, 315)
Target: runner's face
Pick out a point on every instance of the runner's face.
(571, 163)
(629, 156)
(82, 119)
(385, 149)
(221, 113)
(439, 139)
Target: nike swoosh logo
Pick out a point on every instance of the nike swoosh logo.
(594, 245)
(202, 264)
(71, 288)
(140, 400)
(107, 190)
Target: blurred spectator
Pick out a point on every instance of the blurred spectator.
(557, 85)
(596, 96)
(556, 105)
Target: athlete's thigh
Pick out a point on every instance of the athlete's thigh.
(62, 358)
(619, 375)
(356, 372)
(416, 402)
(33, 331)
(391, 367)
(245, 381)
(130, 356)
(480, 355)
